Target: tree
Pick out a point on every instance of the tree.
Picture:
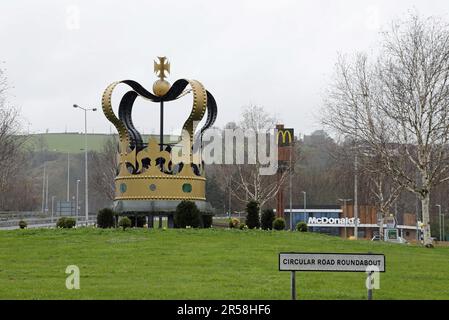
(267, 218)
(104, 169)
(397, 107)
(187, 214)
(12, 157)
(245, 180)
(252, 214)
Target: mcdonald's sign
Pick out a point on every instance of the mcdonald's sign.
(285, 137)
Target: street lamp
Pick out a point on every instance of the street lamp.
(439, 219)
(345, 210)
(77, 197)
(86, 183)
(305, 202)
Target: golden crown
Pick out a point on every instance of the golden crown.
(152, 170)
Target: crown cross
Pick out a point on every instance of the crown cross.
(161, 67)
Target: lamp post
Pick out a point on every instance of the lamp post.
(345, 211)
(77, 198)
(439, 219)
(43, 187)
(68, 175)
(86, 183)
(305, 203)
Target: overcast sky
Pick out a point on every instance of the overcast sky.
(276, 54)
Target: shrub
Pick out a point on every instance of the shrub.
(234, 223)
(66, 223)
(279, 224)
(267, 219)
(243, 226)
(22, 224)
(301, 226)
(207, 220)
(105, 218)
(252, 215)
(141, 220)
(124, 222)
(187, 214)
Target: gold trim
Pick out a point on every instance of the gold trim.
(160, 177)
(159, 198)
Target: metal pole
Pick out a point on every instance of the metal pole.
(46, 195)
(161, 139)
(356, 203)
(293, 284)
(229, 199)
(52, 208)
(439, 218)
(305, 202)
(290, 189)
(68, 176)
(43, 188)
(86, 181)
(77, 198)
(356, 182)
(370, 285)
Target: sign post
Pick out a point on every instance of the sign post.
(332, 262)
(293, 284)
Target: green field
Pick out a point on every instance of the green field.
(203, 264)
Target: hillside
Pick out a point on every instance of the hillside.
(71, 142)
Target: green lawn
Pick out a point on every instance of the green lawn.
(203, 264)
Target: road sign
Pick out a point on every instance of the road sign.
(331, 262)
(370, 263)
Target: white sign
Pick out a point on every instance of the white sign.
(336, 262)
(333, 221)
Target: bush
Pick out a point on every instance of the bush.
(22, 224)
(124, 222)
(66, 223)
(141, 220)
(267, 219)
(187, 214)
(207, 220)
(252, 215)
(301, 226)
(243, 226)
(105, 218)
(279, 224)
(234, 223)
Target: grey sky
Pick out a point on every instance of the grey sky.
(276, 54)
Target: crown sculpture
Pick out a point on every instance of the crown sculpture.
(152, 177)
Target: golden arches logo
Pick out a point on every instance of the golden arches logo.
(285, 133)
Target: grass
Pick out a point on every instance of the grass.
(203, 264)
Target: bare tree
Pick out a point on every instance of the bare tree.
(398, 106)
(247, 182)
(104, 167)
(11, 140)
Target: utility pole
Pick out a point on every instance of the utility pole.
(439, 219)
(86, 177)
(77, 197)
(43, 187)
(345, 209)
(290, 188)
(52, 207)
(46, 195)
(305, 203)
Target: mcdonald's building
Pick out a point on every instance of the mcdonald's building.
(340, 221)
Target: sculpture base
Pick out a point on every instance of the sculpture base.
(156, 208)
